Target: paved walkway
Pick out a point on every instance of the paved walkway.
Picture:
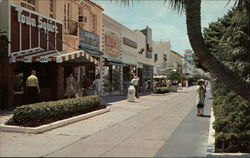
(153, 126)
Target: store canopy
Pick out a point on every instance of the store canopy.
(92, 52)
(114, 62)
(39, 55)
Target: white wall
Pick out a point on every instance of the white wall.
(109, 25)
(129, 54)
(160, 48)
(141, 58)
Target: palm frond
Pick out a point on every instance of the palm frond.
(178, 5)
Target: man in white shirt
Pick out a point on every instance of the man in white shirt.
(135, 82)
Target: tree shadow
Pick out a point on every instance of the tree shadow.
(206, 116)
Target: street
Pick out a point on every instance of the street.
(154, 126)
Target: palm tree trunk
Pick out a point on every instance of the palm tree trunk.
(208, 59)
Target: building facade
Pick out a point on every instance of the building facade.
(45, 39)
(162, 56)
(176, 61)
(112, 48)
(145, 60)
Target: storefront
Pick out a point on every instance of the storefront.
(35, 44)
(129, 57)
(89, 42)
(112, 69)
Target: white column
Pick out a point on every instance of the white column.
(20, 36)
(30, 33)
(47, 35)
(121, 78)
(101, 74)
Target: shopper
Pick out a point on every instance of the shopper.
(200, 98)
(97, 85)
(71, 87)
(32, 88)
(135, 82)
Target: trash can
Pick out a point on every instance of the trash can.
(131, 94)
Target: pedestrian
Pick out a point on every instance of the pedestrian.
(200, 98)
(97, 85)
(85, 86)
(154, 84)
(71, 86)
(135, 82)
(32, 88)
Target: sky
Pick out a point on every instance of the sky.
(166, 23)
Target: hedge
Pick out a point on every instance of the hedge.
(45, 112)
(232, 121)
(161, 90)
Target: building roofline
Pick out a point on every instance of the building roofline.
(89, 1)
(177, 53)
(118, 23)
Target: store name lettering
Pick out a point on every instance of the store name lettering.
(21, 18)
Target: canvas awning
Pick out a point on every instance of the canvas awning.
(39, 55)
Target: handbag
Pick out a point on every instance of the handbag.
(200, 105)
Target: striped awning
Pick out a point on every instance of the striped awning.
(39, 55)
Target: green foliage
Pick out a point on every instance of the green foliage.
(44, 112)
(232, 121)
(161, 90)
(228, 39)
(173, 75)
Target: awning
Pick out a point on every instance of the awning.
(93, 52)
(114, 62)
(39, 55)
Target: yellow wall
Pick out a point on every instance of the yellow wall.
(42, 6)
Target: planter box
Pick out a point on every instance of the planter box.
(60, 123)
(211, 143)
(173, 88)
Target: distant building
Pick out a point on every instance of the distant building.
(162, 53)
(176, 61)
(188, 56)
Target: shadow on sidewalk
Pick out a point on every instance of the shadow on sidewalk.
(114, 98)
(206, 116)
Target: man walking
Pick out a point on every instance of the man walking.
(97, 85)
(32, 88)
(135, 82)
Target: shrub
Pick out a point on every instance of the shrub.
(232, 120)
(45, 112)
(161, 90)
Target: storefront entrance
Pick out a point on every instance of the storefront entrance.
(112, 80)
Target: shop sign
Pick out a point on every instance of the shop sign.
(89, 40)
(46, 26)
(112, 44)
(31, 30)
(129, 42)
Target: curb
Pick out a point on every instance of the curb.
(47, 127)
(165, 94)
(211, 143)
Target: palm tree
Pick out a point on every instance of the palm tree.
(207, 59)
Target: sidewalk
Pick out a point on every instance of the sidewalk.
(190, 138)
(141, 129)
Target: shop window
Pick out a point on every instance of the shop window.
(29, 4)
(52, 9)
(164, 57)
(156, 57)
(94, 23)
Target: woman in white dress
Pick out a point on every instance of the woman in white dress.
(200, 98)
(71, 86)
